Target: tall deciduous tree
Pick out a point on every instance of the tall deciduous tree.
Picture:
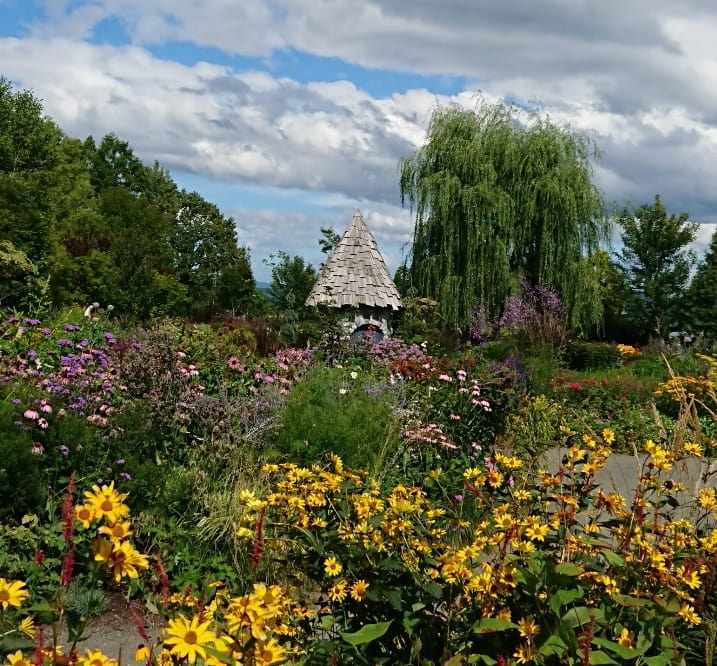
(656, 262)
(497, 200)
(702, 295)
(291, 280)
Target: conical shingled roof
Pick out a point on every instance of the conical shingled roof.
(355, 273)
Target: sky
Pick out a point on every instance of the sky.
(290, 114)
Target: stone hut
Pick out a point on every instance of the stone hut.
(356, 280)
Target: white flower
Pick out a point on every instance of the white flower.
(343, 391)
(354, 375)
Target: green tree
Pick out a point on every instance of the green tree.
(701, 300)
(208, 261)
(329, 240)
(496, 201)
(18, 275)
(656, 262)
(291, 281)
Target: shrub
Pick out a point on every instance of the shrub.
(332, 412)
(591, 356)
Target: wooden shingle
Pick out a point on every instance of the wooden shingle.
(355, 273)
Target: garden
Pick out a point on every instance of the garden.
(354, 503)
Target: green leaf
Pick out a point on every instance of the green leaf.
(569, 569)
(613, 559)
(489, 625)
(581, 615)
(16, 643)
(393, 596)
(620, 650)
(367, 633)
(553, 645)
(599, 657)
(664, 659)
(630, 601)
(564, 597)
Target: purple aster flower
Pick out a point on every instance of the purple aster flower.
(125, 476)
(70, 327)
(32, 322)
(64, 450)
(45, 331)
(120, 461)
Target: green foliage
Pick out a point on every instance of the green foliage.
(291, 281)
(591, 356)
(495, 200)
(21, 481)
(330, 412)
(656, 264)
(419, 322)
(701, 301)
(18, 273)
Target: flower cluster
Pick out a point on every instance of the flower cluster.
(112, 545)
(628, 350)
(253, 629)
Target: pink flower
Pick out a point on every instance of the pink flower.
(445, 378)
(31, 414)
(46, 408)
(575, 386)
(43, 423)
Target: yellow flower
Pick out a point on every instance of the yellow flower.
(337, 592)
(27, 627)
(608, 436)
(708, 498)
(107, 503)
(117, 531)
(527, 627)
(96, 658)
(626, 638)
(268, 653)
(537, 532)
(332, 566)
(84, 514)
(693, 449)
(12, 594)
(687, 613)
(142, 654)
(121, 558)
(188, 638)
(525, 653)
(16, 659)
(358, 590)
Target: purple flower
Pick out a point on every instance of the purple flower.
(64, 342)
(32, 322)
(45, 331)
(70, 327)
(458, 498)
(125, 476)
(13, 320)
(15, 401)
(64, 450)
(111, 339)
(120, 461)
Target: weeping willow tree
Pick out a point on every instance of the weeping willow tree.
(498, 201)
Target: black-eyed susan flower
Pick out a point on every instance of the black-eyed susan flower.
(359, 589)
(269, 652)
(332, 566)
(189, 638)
(84, 514)
(96, 658)
(107, 503)
(17, 659)
(12, 593)
(117, 531)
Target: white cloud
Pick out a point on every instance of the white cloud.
(642, 75)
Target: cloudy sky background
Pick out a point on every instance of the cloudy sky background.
(289, 114)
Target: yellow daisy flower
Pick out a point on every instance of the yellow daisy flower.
(332, 566)
(17, 659)
(96, 658)
(84, 514)
(107, 503)
(358, 590)
(189, 638)
(11, 593)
